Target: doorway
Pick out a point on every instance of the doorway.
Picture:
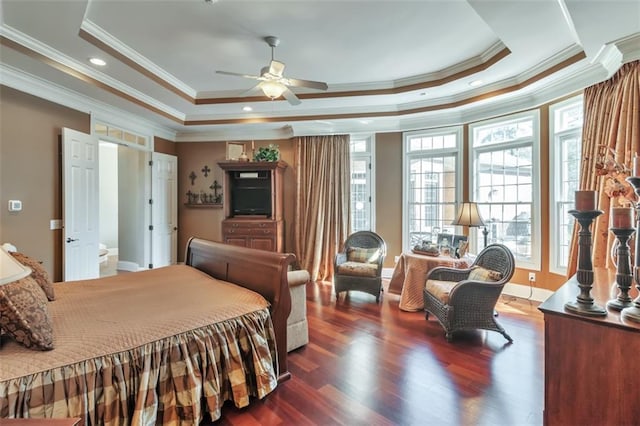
(123, 208)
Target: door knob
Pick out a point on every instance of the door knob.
(70, 240)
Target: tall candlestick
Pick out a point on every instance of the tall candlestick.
(621, 217)
(586, 200)
(636, 165)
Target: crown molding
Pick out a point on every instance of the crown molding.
(613, 55)
(100, 38)
(77, 69)
(19, 80)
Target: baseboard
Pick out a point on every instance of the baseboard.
(387, 272)
(127, 266)
(526, 292)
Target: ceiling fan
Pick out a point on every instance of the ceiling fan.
(273, 83)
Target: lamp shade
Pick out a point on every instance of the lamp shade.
(272, 89)
(468, 215)
(10, 269)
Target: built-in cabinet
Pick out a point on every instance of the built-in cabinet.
(254, 204)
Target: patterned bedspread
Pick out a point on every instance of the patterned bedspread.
(154, 347)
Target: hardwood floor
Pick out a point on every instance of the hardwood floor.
(372, 364)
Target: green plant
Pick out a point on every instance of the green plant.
(267, 153)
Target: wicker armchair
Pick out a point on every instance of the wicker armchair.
(359, 266)
(465, 298)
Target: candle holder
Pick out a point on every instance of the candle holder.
(632, 313)
(584, 305)
(624, 278)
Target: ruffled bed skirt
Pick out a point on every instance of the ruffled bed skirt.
(172, 381)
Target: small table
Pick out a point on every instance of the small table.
(410, 273)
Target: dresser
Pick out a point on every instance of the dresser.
(591, 364)
(254, 204)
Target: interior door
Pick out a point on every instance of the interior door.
(164, 210)
(81, 209)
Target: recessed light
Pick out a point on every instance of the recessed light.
(365, 121)
(247, 108)
(475, 83)
(97, 61)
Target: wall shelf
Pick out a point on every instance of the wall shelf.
(204, 205)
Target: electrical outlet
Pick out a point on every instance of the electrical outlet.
(532, 277)
(396, 258)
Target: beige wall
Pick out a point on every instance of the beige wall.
(30, 171)
(164, 146)
(207, 222)
(30, 130)
(388, 207)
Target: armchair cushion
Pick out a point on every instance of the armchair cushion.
(357, 269)
(363, 255)
(440, 289)
(479, 273)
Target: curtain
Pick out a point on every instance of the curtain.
(611, 118)
(323, 196)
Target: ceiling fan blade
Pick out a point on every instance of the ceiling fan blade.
(276, 68)
(253, 91)
(291, 97)
(318, 85)
(235, 74)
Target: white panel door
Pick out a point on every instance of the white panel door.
(80, 209)
(164, 210)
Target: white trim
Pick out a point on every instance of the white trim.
(554, 183)
(370, 155)
(387, 272)
(111, 41)
(526, 292)
(124, 265)
(19, 80)
(62, 59)
(536, 226)
(457, 151)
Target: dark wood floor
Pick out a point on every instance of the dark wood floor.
(372, 364)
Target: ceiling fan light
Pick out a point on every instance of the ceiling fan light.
(272, 89)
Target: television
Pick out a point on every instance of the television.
(251, 200)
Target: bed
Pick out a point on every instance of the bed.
(163, 346)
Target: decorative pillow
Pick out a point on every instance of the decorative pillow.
(38, 273)
(440, 289)
(358, 269)
(363, 255)
(482, 274)
(24, 314)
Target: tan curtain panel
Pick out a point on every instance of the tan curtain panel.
(611, 118)
(323, 196)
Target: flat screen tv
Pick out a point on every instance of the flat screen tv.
(251, 201)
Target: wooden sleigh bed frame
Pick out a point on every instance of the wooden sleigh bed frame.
(258, 270)
(205, 341)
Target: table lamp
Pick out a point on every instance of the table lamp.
(469, 215)
(10, 269)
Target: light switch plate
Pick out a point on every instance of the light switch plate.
(55, 224)
(15, 205)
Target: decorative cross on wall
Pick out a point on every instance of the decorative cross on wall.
(215, 188)
(206, 170)
(193, 177)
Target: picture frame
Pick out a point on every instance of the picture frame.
(235, 150)
(444, 240)
(457, 240)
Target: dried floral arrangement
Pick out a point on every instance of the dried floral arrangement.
(615, 186)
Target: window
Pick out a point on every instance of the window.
(432, 184)
(565, 138)
(362, 217)
(504, 154)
